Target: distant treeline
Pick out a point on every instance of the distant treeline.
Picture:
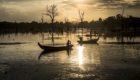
(35, 27)
(111, 26)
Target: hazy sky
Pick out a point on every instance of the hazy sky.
(31, 10)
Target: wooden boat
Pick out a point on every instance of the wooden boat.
(91, 41)
(53, 49)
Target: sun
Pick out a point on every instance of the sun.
(78, 1)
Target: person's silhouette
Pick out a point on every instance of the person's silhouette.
(68, 43)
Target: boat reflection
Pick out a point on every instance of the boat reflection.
(43, 53)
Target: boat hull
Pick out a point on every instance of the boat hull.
(53, 49)
(88, 42)
(93, 41)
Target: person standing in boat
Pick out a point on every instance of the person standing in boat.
(68, 43)
(81, 40)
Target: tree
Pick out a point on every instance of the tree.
(67, 26)
(81, 16)
(52, 12)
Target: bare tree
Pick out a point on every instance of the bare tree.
(66, 20)
(42, 19)
(81, 16)
(67, 26)
(52, 12)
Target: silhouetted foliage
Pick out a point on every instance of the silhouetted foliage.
(33, 27)
(109, 27)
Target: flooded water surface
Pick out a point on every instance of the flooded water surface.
(25, 61)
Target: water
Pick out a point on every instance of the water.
(88, 62)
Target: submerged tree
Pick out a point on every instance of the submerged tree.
(81, 16)
(67, 26)
(52, 12)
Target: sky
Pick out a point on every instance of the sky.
(32, 10)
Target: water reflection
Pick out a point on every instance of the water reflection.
(43, 53)
(80, 55)
(92, 62)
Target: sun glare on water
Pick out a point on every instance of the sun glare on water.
(80, 55)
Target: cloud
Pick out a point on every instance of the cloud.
(20, 12)
(116, 4)
(18, 0)
(113, 4)
(135, 5)
(29, 10)
(104, 4)
(69, 3)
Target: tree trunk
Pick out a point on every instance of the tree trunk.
(52, 32)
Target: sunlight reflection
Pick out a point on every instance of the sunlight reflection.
(80, 55)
